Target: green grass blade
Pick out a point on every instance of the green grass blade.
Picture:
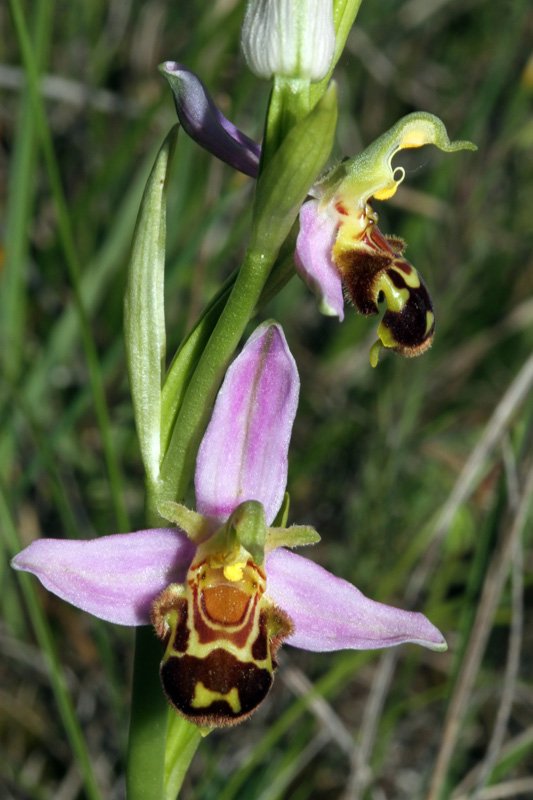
(21, 188)
(46, 643)
(67, 240)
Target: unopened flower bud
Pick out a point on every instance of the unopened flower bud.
(292, 38)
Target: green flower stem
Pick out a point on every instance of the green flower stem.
(178, 465)
(188, 355)
(186, 358)
(289, 103)
(148, 721)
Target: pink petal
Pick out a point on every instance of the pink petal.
(330, 614)
(243, 455)
(318, 231)
(207, 125)
(114, 577)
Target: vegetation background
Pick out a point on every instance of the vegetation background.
(417, 474)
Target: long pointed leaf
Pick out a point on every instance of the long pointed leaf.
(144, 311)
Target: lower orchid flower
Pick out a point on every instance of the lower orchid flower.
(222, 590)
(340, 249)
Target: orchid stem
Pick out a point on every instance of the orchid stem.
(289, 102)
(183, 739)
(148, 716)
(186, 358)
(200, 393)
(148, 721)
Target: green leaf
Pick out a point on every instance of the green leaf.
(183, 739)
(144, 312)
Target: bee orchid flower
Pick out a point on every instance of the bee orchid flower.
(340, 251)
(222, 590)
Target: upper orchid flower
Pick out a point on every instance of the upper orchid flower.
(340, 247)
(222, 591)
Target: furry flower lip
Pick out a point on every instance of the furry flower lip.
(340, 250)
(222, 590)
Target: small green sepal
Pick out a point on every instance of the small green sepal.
(197, 527)
(294, 536)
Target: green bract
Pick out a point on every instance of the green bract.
(144, 312)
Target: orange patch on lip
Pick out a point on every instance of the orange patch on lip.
(225, 604)
(341, 209)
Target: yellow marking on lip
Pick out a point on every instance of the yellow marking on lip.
(352, 229)
(387, 192)
(430, 321)
(416, 137)
(386, 336)
(203, 697)
(396, 298)
(234, 572)
(412, 279)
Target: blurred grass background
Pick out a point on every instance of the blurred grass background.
(417, 474)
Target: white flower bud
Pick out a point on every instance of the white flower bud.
(292, 38)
